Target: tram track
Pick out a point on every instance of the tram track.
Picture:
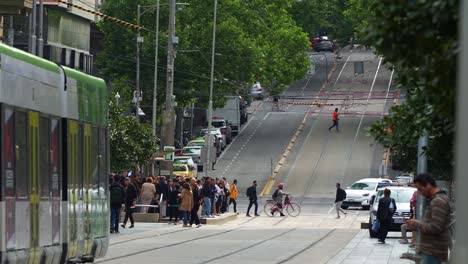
(145, 237)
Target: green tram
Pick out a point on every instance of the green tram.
(54, 204)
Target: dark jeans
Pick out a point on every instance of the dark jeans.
(115, 218)
(185, 215)
(233, 201)
(253, 202)
(335, 124)
(383, 230)
(128, 214)
(194, 215)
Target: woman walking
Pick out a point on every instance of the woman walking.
(186, 202)
(147, 192)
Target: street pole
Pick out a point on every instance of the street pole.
(11, 33)
(422, 168)
(210, 103)
(155, 90)
(461, 143)
(33, 29)
(137, 102)
(41, 29)
(168, 116)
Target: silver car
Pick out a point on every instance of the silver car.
(257, 92)
(402, 197)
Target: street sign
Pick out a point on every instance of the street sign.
(169, 156)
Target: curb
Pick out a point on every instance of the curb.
(271, 180)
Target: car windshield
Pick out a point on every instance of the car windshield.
(182, 161)
(179, 168)
(192, 151)
(363, 186)
(404, 179)
(218, 124)
(213, 132)
(400, 195)
(196, 144)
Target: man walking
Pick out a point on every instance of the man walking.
(117, 198)
(252, 194)
(340, 196)
(130, 201)
(434, 225)
(335, 121)
(385, 211)
(233, 194)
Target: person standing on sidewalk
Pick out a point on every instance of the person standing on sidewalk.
(172, 202)
(161, 189)
(117, 198)
(206, 194)
(335, 121)
(186, 202)
(130, 202)
(233, 194)
(340, 196)
(252, 194)
(433, 227)
(196, 203)
(385, 211)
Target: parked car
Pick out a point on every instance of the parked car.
(402, 197)
(188, 161)
(182, 170)
(221, 123)
(219, 135)
(362, 192)
(200, 142)
(257, 92)
(404, 179)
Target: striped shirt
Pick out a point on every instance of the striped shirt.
(434, 227)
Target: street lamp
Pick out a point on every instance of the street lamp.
(117, 97)
(210, 103)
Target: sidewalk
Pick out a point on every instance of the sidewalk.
(365, 250)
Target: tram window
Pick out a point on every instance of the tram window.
(44, 160)
(55, 157)
(8, 153)
(21, 166)
(94, 157)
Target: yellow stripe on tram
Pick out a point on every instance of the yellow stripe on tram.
(33, 140)
(73, 199)
(87, 178)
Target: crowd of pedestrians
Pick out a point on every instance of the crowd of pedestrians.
(181, 199)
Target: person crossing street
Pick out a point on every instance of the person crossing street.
(340, 196)
(252, 194)
(335, 120)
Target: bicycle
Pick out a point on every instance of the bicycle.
(292, 208)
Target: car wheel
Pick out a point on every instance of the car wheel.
(344, 206)
(372, 234)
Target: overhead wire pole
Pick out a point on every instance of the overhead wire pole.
(210, 103)
(139, 41)
(33, 29)
(41, 29)
(155, 90)
(461, 143)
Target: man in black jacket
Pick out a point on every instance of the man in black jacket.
(206, 194)
(161, 189)
(130, 202)
(385, 211)
(117, 198)
(340, 196)
(252, 194)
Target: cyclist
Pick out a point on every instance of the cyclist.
(278, 197)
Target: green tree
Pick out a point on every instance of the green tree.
(130, 141)
(420, 39)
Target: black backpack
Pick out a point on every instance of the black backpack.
(275, 194)
(116, 195)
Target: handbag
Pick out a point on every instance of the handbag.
(376, 226)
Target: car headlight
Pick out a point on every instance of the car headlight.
(366, 194)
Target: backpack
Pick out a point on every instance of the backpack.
(275, 194)
(248, 191)
(391, 207)
(116, 195)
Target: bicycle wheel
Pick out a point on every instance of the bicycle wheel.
(268, 208)
(293, 209)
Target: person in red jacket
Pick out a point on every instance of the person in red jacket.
(335, 121)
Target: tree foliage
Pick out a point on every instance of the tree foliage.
(130, 141)
(420, 39)
(256, 40)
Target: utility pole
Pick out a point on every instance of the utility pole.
(422, 167)
(210, 103)
(168, 116)
(11, 33)
(155, 90)
(461, 143)
(139, 41)
(41, 29)
(32, 48)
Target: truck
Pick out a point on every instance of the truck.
(234, 112)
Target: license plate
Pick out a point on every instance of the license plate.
(398, 220)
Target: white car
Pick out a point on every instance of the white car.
(362, 192)
(194, 153)
(217, 132)
(402, 197)
(257, 92)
